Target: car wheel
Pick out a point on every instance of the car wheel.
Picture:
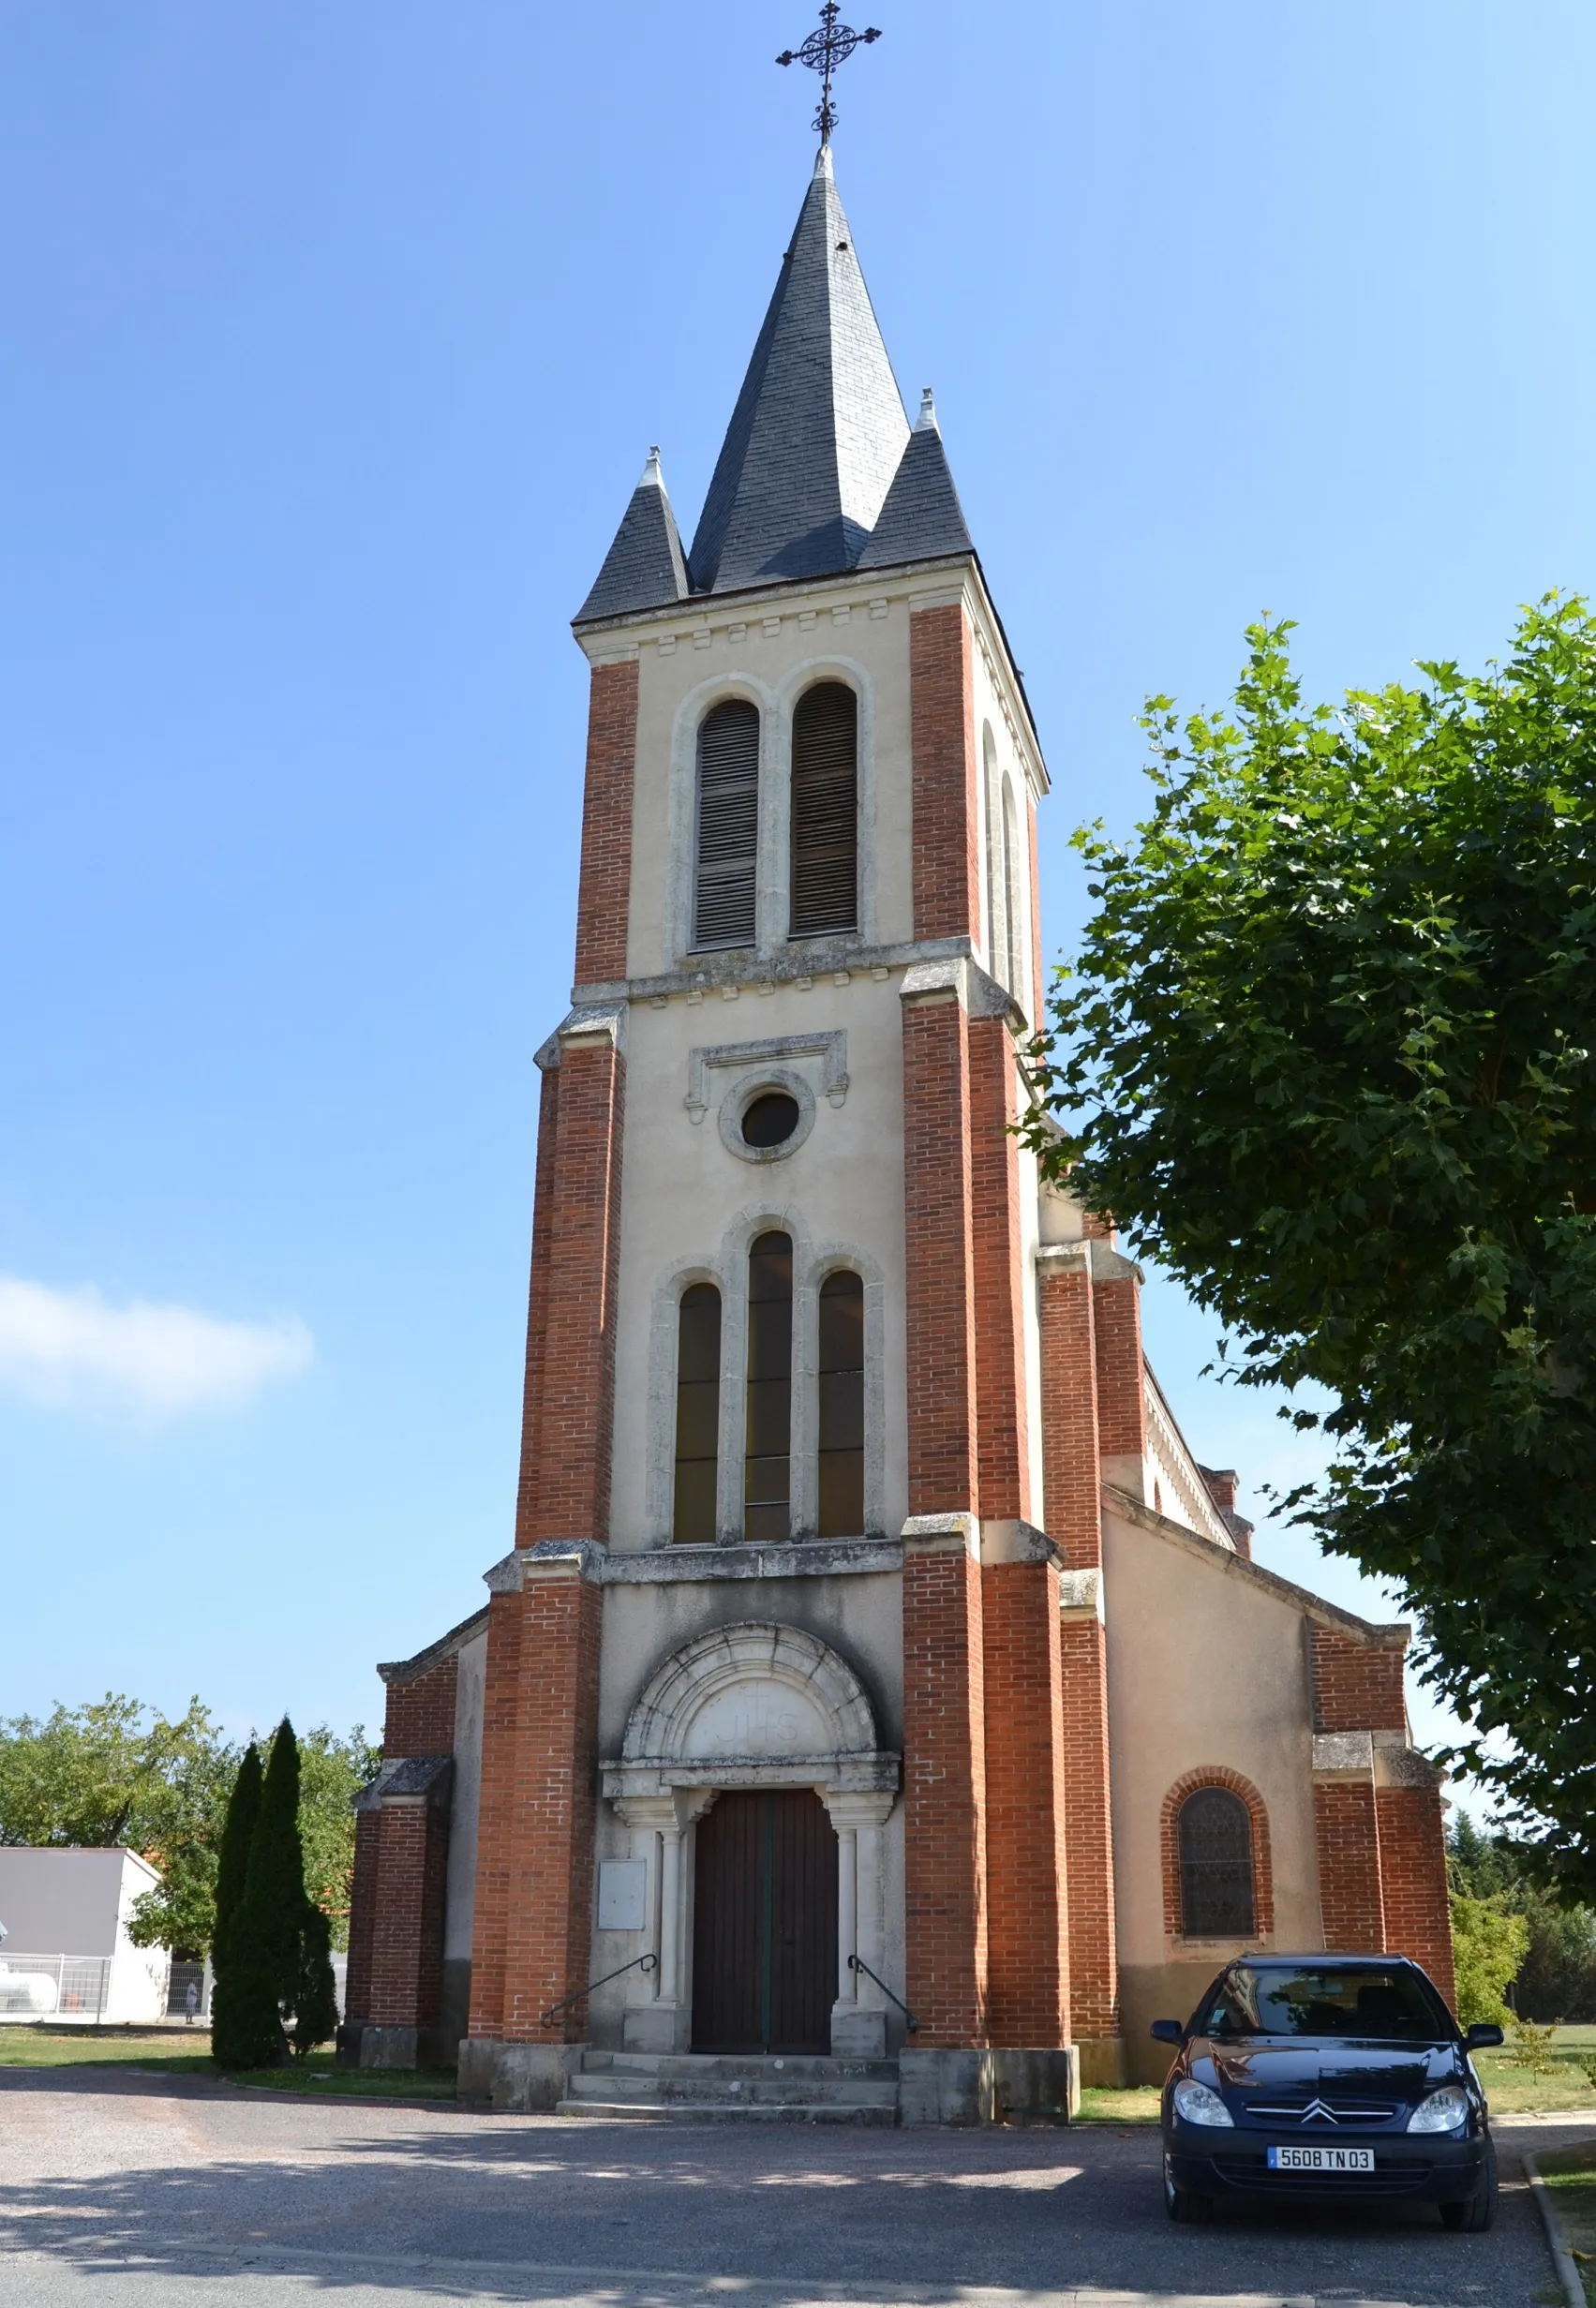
(1473, 2213)
(1184, 2205)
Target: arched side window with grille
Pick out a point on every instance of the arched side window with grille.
(825, 812)
(726, 859)
(767, 1517)
(1214, 1836)
(842, 1407)
(697, 1414)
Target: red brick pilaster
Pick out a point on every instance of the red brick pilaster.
(1004, 1448)
(539, 1777)
(944, 1790)
(1028, 1930)
(1122, 1385)
(1347, 1832)
(363, 1918)
(566, 1434)
(944, 795)
(1072, 1487)
(940, 1297)
(406, 1931)
(1413, 1854)
(1357, 1686)
(603, 891)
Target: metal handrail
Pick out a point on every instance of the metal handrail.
(856, 1963)
(639, 1964)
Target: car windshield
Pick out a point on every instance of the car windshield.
(1396, 2004)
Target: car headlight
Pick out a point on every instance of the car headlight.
(1446, 2111)
(1196, 2103)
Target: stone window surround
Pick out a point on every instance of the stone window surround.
(660, 1795)
(1191, 1784)
(761, 1066)
(728, 1270)
(772, 899)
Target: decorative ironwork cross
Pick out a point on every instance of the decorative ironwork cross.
(823, 51)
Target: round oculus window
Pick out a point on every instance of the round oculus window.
(770, 1119)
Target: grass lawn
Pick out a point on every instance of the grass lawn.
(1513, 2090)
(317, 2076)
(1570, 2175)
(1139, 2105)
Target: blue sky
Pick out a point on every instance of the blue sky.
(334, 339)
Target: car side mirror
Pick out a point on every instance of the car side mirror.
(1483, 2037)
(1171, 2032)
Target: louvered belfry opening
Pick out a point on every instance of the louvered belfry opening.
(729, 825)
(824, 813)
(1214, 1835)
(697, 1414)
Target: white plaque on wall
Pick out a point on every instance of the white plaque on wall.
(622, 1890)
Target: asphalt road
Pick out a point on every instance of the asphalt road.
(137, 2192)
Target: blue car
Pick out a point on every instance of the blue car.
(1326, 2080)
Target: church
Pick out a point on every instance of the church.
(879, 1716)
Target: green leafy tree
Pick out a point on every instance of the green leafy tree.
(315, 1996)
(1487, 1946)
(112, 1772)
(1556, 1973)
(264, 1937)
(333, 1770)
(1326, 1053)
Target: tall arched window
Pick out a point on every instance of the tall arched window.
(825, 812)
(1013, 970)
(1214, 1836)
(997, 935)
(728, 852)
(768, 1446)
(841, 1408)
(698, 1413)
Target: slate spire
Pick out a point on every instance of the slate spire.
(818, 431)
(643, 568)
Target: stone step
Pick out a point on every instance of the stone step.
(762, 2092)
(714, 2067)
(724, 2111)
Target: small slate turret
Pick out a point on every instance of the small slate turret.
(643, 568)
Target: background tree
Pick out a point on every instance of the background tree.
(238, 1833)
(1555, 1977)
(314, 1997)
(116, 1771)
(112, 1772)
(1326, 1053)
(333, 1770)
(264, 1937)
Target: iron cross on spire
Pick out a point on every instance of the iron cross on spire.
(823, 51)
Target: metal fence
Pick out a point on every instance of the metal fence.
(47, 1987)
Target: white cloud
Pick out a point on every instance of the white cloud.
(62, 1347)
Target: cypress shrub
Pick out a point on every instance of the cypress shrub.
(266, 1935)
(232, 1865)
(315, 2000)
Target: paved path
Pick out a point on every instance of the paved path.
(136, 2192)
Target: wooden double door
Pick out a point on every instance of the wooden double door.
(765, 1923)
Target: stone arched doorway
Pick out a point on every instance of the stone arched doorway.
(753, 1707)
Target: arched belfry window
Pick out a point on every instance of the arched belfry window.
(697, 1414)
(825, 812)
(726, 859)
(768, 1444)
(1213, 1838)
(842, 1407)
